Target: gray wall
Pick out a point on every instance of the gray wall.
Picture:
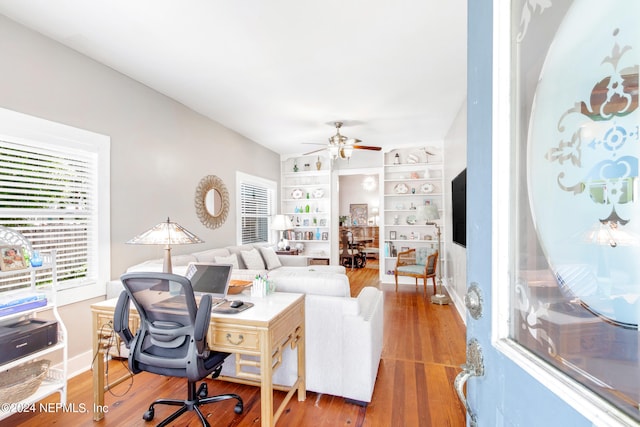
(159, 148)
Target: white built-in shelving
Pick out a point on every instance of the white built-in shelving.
(412, 179)
(306, 200)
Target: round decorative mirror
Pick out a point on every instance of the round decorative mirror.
(212, 201)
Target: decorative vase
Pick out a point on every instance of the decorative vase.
(318, 164)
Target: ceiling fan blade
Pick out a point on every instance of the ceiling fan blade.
(367, 147)
(314, 143)
(314, 151)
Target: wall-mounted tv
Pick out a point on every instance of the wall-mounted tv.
(459, 208)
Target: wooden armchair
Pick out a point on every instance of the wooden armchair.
(420, 263)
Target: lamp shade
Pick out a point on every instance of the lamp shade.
(281, 223)
(428, 212)
(166, 233)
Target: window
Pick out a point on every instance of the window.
(54, 190)
(256, 206)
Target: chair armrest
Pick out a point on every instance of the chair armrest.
(203, 318)
(406, 258)
(121, 319)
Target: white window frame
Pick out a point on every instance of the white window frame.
(587, 403)
(272, 188)
(22, 128)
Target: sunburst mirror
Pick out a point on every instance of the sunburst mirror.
(212, 201)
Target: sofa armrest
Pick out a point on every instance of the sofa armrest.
(293, 260)
(244, 274)
(362, 342)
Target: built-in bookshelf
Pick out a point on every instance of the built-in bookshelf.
(306, 200)
(413, 192)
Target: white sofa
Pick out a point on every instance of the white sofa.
(343, 334)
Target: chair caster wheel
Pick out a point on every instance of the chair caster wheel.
(148, 416)
(203, 391)
(238, 408)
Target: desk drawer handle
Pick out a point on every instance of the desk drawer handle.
(241, 339)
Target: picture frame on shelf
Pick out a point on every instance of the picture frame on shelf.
(323, 222)
(392, 235)
(11, 258)
(325, 235)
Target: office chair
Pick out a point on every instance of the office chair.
(171, 339)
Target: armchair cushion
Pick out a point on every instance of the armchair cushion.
(413, 269)
(422, 254)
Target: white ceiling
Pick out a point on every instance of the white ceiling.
(280, 71)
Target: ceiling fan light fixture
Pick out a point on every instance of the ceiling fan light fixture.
(346, 151)
(334, 150)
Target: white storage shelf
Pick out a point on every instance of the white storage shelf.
(55, 380)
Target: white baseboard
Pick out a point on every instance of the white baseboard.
(79, 364)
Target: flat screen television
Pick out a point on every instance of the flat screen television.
(459, 208)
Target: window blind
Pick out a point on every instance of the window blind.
(255, 211)
(49, 195)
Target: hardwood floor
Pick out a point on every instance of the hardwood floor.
(424, 346)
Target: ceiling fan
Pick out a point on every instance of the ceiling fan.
(341, 146)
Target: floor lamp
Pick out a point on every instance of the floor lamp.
(430, 214)
(439, 297)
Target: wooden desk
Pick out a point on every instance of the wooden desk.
(264, 330)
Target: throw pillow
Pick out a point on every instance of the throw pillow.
(252, 259)
(231, 259)
(271, 258)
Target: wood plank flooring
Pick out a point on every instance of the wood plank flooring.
(424, 346)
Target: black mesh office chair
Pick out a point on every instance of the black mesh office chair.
(172, 339)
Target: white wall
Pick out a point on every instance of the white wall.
(350, 191)
(455, 160)
(159, 148)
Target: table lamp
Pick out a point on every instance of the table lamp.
(166, 233)
(282, 223)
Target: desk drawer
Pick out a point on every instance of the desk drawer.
(235, 339)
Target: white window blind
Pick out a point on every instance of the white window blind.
(256, 202)
(50, 196)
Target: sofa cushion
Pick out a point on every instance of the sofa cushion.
(231, 259)
(238, 251)
(270, 258)
(210, 254)
(252, 259)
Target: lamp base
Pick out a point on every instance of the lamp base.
(441, 299)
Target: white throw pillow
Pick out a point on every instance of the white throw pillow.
(252, 259)
(271, 258)
(231, 259)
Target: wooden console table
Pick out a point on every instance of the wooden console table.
(264, 330)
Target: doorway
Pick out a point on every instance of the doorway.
(359, 212)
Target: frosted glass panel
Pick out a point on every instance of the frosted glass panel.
(576, 288)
